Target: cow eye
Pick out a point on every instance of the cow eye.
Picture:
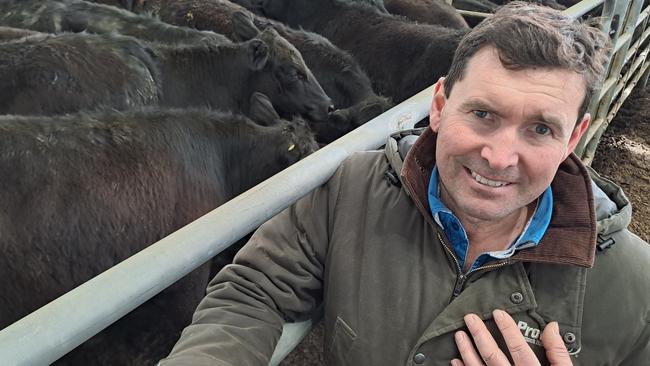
(295, 74)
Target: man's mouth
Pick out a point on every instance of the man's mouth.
(487, 182)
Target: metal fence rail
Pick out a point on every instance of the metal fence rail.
(53, 330)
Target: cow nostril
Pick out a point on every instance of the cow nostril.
(330, 108)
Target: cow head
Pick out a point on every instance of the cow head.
(345, 120)
(281, 72)
(298, 137)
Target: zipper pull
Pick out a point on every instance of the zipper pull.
(458, 288)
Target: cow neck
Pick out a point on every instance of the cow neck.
(221, 71)
(571, 234)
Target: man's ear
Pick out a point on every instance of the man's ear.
(578, 131)
(437, 104)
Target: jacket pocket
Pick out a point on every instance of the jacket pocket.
(340, 344)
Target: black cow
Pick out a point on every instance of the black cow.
(83, 192)
(336, 70)
(401, 57)
(70, 72)
(427, 11)
(9, 33)
(55, 16)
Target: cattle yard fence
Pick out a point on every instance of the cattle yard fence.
(626, 22)
(58, 327)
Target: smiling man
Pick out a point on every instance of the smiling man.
(502, 134)
(406, 253)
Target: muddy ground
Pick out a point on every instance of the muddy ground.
(623, 155)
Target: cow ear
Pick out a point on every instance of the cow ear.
(243, 27)
(262, 111)
(258, 54)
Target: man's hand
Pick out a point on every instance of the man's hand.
(489, 353)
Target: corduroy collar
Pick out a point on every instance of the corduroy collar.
(571, 235)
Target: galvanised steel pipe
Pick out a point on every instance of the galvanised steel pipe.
(581, 8)
(53, 330)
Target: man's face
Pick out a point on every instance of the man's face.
(502, 135)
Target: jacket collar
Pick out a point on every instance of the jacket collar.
(571, 234)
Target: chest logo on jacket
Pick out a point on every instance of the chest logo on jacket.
(530, 334)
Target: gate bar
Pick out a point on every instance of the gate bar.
(582, 8)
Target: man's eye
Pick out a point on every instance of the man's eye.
(542, 130)
(481, 114)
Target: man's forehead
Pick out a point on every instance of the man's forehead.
(488, 59)
(485, 75)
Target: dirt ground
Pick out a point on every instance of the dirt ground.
(623, 156)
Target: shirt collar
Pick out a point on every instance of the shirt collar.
(530, 236)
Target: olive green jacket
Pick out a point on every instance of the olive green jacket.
(365, 246)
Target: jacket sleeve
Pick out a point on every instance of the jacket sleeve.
(276, 277)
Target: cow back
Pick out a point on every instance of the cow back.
(54, 74)
(52, 16)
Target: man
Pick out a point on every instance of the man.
(490, 211)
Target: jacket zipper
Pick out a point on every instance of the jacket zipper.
(461, 278)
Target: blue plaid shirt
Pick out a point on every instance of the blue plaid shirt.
(532, 234)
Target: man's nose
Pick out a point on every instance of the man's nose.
(501, 150)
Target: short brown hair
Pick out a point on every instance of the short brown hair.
(528, 36)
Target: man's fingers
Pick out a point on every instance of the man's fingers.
(487, 351)
(556, 351)
(466, 349)
(487, 347)
(519, 349)
(457, 362)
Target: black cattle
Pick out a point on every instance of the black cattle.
(339, 74)
(401, 57)
(427, 11)
(55, 16)
(345, 120)
(284, 77)
(83, 192)
(9, 33)
(54, 74)
(70, 72)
